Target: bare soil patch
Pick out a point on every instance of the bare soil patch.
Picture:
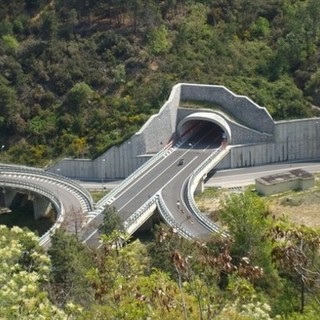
(299, 207)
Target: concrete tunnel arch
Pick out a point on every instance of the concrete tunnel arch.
(186, 122)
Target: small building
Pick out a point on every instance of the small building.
(297, 179)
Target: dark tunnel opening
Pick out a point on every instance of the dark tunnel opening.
(208, 131)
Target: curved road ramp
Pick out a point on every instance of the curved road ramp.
(166, 186)
(157, 186)
(71, 202)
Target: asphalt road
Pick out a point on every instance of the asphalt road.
(168, 178)
(74, 208)
(246, 176)
(230, 177)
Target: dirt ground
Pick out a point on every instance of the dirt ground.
(300, 207)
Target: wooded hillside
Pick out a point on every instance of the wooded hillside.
(78, 76)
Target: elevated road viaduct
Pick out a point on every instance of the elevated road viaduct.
(231, 131)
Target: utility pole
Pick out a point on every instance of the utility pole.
(102, 171)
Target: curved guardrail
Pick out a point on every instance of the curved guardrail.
(165, 213)
(52, 175)
(45, 238)
(82, 192)
(157, 200)
(194, 179)
(151, 204)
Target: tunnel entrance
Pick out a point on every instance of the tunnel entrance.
(207, 131)
(211, 126)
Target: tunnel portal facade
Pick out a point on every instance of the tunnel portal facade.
(255, 137)
(196, 120)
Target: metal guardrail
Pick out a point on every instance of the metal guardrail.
(165, 213)
(82, 192)
(41, 172)
(24, 185)
(205, 167)
(135, 216)
(157, 201)
(132, 176)
(108, 199)
(45, 238)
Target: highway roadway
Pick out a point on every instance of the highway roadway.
(73, 201)
(165, 178)
(173, 178)
(246, 176)
(168, 178)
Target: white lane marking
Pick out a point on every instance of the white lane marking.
(162, 159)
(90, 236)
(156, 178)
(189, 163)
(139, 178)
(148, 171)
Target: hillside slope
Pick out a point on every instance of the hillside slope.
(77, 77)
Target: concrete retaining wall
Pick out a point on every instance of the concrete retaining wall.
(240, 134)
(258, 139)
(241, 107)
(295, 140)
(120, 161)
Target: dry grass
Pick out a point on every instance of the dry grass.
(302, 208)
(299, 207)
(210, 200)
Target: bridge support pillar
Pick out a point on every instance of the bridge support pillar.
(200, 186)
(41, 207)
(8, 196)
(2, 203)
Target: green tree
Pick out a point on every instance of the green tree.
(10, 43)
(111, 221)
(261, 28)
(313, 87)
(78, 97)
(158, 40)
(126, 287)
(246, 217)
(296, 251)
(24, 270)
(71, 261)
(49, 25)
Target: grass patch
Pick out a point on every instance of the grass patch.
(209, 192)
(97, 195)
(209, 201)
(300, 207)
(195, 104)
(317, 180)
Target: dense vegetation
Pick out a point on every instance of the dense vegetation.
(78, 76)
(266, 269)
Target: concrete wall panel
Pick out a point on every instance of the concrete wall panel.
(239, 106)
(257, 138)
